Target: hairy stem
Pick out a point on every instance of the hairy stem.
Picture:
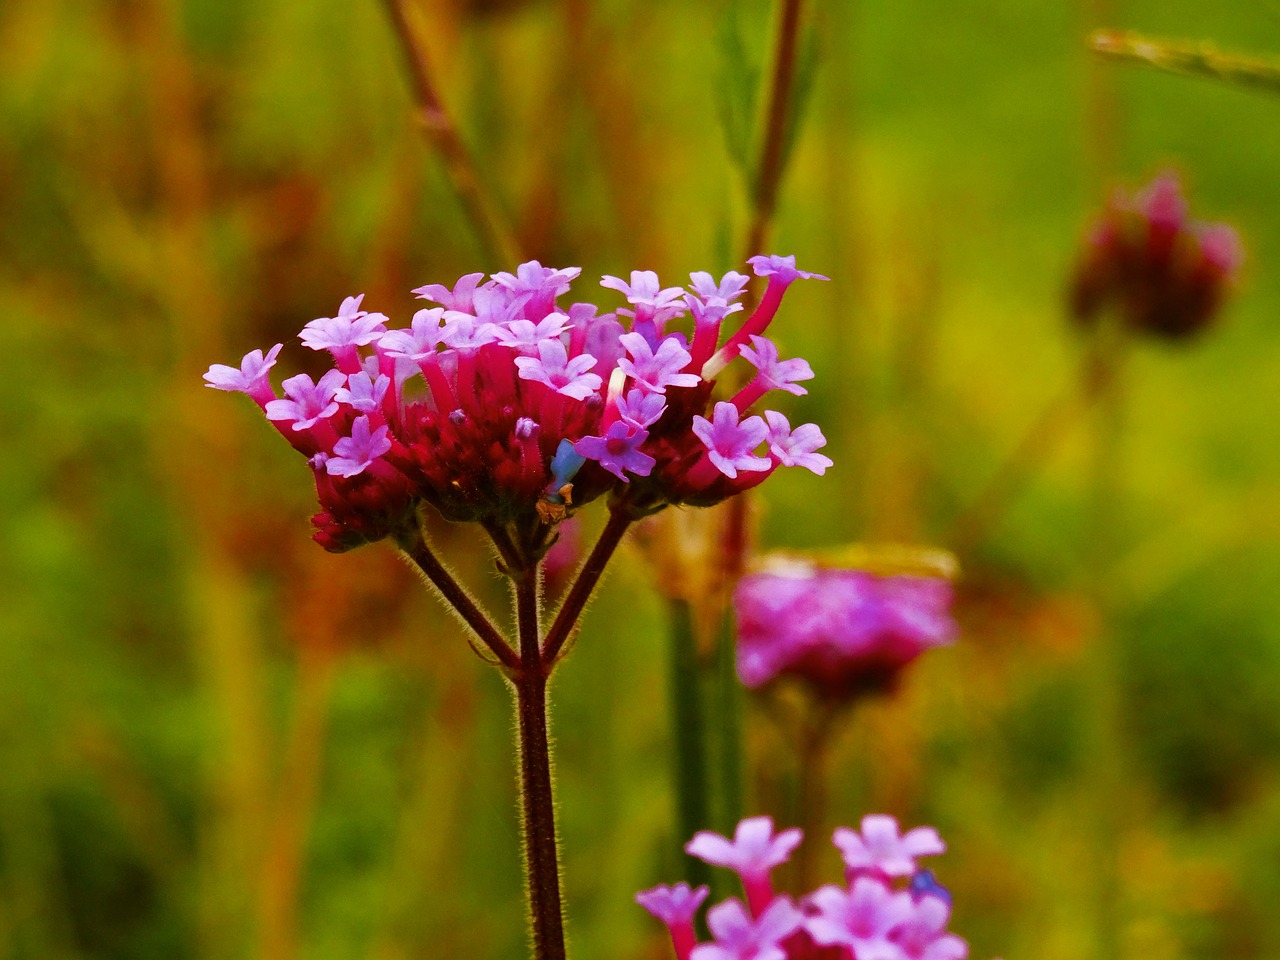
(537, 802)
(1188, 58)
(415, 547)
(477, 201)
(585, 583)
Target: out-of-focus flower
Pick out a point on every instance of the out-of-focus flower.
(877, 914)
(844, 632)
(1165, 273)
(498, 406)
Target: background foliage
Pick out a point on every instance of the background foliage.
(217, 741)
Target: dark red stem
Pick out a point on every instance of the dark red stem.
(455, 596)
(585, 583)
(542, 857)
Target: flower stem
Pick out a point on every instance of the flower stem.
(688, 733)
(537, 801)
(585, 583)
(456, 598)
(1188, 58)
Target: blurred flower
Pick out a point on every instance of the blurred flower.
(844, 632)
(877, 914)
(499, 407)
(1166, 274)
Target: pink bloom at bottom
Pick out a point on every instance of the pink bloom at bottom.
(885, 910)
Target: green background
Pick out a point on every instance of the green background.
(217, 741)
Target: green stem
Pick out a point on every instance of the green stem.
(1105, 782)
(729, 697)
(688, 733)
(1187, 58)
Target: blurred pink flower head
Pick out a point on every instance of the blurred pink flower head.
(844, 632)
(1166, 273)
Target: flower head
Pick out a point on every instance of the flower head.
(1165, 273)
(881, 850)
(500, 406)
(844, 632)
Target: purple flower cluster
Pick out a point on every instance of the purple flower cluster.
(500, 406)
(886, 909)
(844, 632)
(1166, 273)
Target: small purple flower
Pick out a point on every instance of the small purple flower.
(879, 849)
(307, 403)
(676, 907)
(654, 372)
(645, 290)
(459, 298)
(419, 342)
(462, 331)
(781, 269)
(525, 335)
(362, 392)
(730, 443)
(862, 918)
(619, 450)
(642, 409)
(251, 378)
(352, 327)
(923, 936)
(795, 448)
(739, 937)
(730, 288)
(533, 278)
(773, 373)
(356, 453)
(752, 854)
(552, 366)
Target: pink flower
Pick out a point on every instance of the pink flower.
(862, 917)
(872, 916)
(795, 448)
(730, 444)
(844, 632)
(781, 269)
(654, 371)
(251, 378)
(573, 378)
(676, 907)
(880, 850)
(753, 854)
(471, 409)
(739, 937)
(1166, 273)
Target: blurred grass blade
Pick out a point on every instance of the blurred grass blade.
(806, 70)
(1188, 59)
(688, 735)
(737, 90)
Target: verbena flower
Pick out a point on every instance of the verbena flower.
(472, 407)
(876, 914)
(1165, 273)
(844, 632)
